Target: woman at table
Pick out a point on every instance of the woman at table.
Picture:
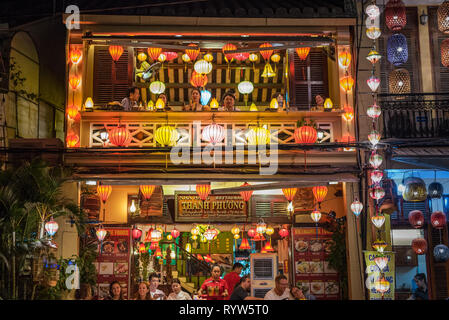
(144, 292)
(229, 102)
(194, 102)
(115, 291)
(164, 98)
(215, 288)
(177, 293)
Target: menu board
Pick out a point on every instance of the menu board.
(312, 272)
(113, 261)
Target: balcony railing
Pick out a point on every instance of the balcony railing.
(418, 115)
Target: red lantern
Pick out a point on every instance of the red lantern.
(74, 82)
(147, 191)
(319, 193)
(199, 257)
(154, 245)
(266, 54)
(416, 218)
(175, 233)
(136, 233)
(246, 195)
(170, 55)
(438, 219)
(75, 55)
(302, 52)
(158, 253)
(193, 53)
(283, 232)
(419, 245)
(104, 191)
(154, 53)
(115, 52)
(198, 80)
(395, 16)
(252, 232)
(72, 140)
(72, 111)
(305, 134)
(244, 245)
(120, 136)
(203, 191)
(229, 47)
(268, 247)
(258, 237)
(241, 56)
(289, 193)
(142, 248)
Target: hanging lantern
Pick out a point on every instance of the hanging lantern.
(438, 220)
(374, 111)
(374, 138)
(236, 236)
(268, 247)
(443, 17)
(155, 235)
(213, 133)
(74, 82)
(415, 189)
(214, 105)
(275, 58)
(379, 245)
(157, 87)
(375, 160)
(268, 71)
(175, 233)
(305, 134)
(101, 233)
(373, 57)
(162, 57)
(261, 226)
(435, 190)
(192, 53)
(115, 52)
(344, 59)
(253, 57)
(253, 107)
(349, 113)
(315, 215)
(104, 191)
(203, 191)
(416, 219)
(72, 140)
(198, 80)
(194, 231)
(245, 87)
(328, 104)
(397, 49)
(373, 33)
(266, 54)
(259, 237)
(246, 195)
(185, 57)
(147, 191)
(356, 207)
(419, 245)
(235, 230)
(346, 83)
(205, 97)
(377, 193)
(252, 232)
(148, 238)
(154, 53)
(208, 57)
(258, 136)
(170, 55)
(229, 47)
(158, 253)
(289, 193)
(382, 285)
(269, 231)
(72, 111)
(141, 56)
(283, 232)
(142, 248)
(395, 17)
(119, 136)
(244, 245)
(166, 136)
(381, 262)
(319, 193)
(210, 234)
(441, 253)
(241, 56)
(202, 67)
(51, 227)
(378, 221)
(136, 233)
(372, 11)
(302, 52)
(75, 55)
(376, 176)
(373, 83)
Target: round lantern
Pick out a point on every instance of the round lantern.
(441, 253)
(205, 97)
(381, 262)
(397, 49)
(415, 189)
(141, 56)
(241, 56)
(289, 193)
(202, 67)
(170, 55)
(375, 160)
(395, 17)
(156, 235)
(136, 233)
(208, 57)
(104, 191)
(373, 83)
(419, 245)
(51, 227)
(175, 233)
(258, 136)
(252, 232)
(438, 220)
(344, 59)
(302, 52)
(193, 53)
(147, 191)
(416, 218)
(194, 231)
(235, 230)
(198, 80)
(372, 11)
(356, 207)
(213, 133)
(315, 215)
(245, 87)
(369, 22)
(246, 195)
(229, 47)
(382, 285)
(373, 57)
(435, 190)
(253, 57)
(283, 232)
(119, 136)
(74, 82)
(374, 111)
(275, 58)
(319, 193)
(162, 57)
(169, 236)
(261, 226)
(399, 81)
(166, 136)
(346, 83)
(377, 193)
(373, 33)
(443, 17)
(115, 52)
(72, 140)
(374, 138)
(376, 176)
(269, 231)
(266, 54)
(185, 57)
(157, 87)
(154, 53)
(378, 221)
(203, 191)
(75, 55)
(101, 233)
(236, 236)
(305, 134)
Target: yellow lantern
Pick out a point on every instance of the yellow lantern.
(275, 58)
(194, 237)
(208, 57)
(195, 231)
(185, 57)
(188, 247)
(269, 231)
(214, 104)
(89, 104)
(253, 57)
(328, 104)
(274, 105)
(150, 105)
(258, 136)
(346, 83)
(166, 136)
(160, 104)
(235, 230)
(253, 107)
(344, 59)
(142, 56)
(169, 237)
(236, 236)
(268, 71)
(162, 57)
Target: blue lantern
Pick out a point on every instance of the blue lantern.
(397, 49)
(441, 253)
(205, 97)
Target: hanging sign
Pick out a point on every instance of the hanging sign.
(373, 273)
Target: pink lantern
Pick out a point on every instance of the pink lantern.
(376, 176)
(101, 233)
(136, 233)
(377, 193)
(315, 215)
(175, 233)
(252, 232)
(51, 227)
(374, 111)
(416, 218)
(438, 219)
(375, 160)
(374, 137)
(283, 232)
(373, 83)
(213, 133)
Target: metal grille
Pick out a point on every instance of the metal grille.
(263, 269)
(260, 293)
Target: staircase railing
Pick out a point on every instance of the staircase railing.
(203, 266)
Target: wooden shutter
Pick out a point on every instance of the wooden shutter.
(439, 270)
(440, 72)
(111, 79)
(308, 78)
(410, 31)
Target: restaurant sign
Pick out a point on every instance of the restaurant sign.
(189, 207)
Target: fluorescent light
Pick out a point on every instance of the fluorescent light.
(333, 182)
(91, 183)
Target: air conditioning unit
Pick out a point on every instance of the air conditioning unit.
(264, 268)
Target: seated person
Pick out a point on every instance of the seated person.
(195, 104)
(164, 98)
(229, 102)
(280, 99)
(130, 102)
(242, 290)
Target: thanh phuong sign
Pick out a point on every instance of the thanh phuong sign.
(189, 207)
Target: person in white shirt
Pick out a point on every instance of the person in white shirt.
(280, 291)
(155, 293)
(177, 293)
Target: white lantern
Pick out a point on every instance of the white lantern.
(315, 215)
(51, 227)
(245, 87)
(356, 207)
(373, 83)
(374, 137)
(202, 67)
(372, 11)
(381, 262)
(213, 133)
(157, 87)
(372, 23)
(373, 111)
(373, 33)
(375, 160)
(378, 221)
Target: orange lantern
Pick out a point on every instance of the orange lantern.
(115, 52)
(203, 191)
(244, 245)
(193, 53)
(147, 191)
(266, 54)
(154, 53)
(198, 80)
(289, 193)
(319, 193)
(344, 59)
(72, 140)
(246, 195)
(75, 55)
(346, 83)
(305, 134)
(268, 247)
(72, 111)
(104, 191)
(349, 113)
(74, 82)
(229, 47)
(302, 52)
(120, 136)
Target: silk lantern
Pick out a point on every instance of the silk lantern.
(202, 67)
(305, 134)
(74, 82)
(147, 191)
(203, 191)
(416, 218)
(205, 97)
(356, 207)
(104, 191)
(120, 136)
(175, 233)
(72, 140)
(115, 52)
(258, 136)
(373, 57)
(346, 83)
(378, 221)
(395, 16)
(283, 232)
(266, 54)
(373, 83)
(377, 193)
(170, 55)
(157, 87)
(419, 245)
(302, 52)
(244, 245)
(213, 133)
(193, 53)
(344, 59)
(166, 136)
(75, 55)
(315, 215)
(245, 87)
(251, 232)
(438, 220)
(154, 53)
(376, 176)
(136, 233)
(198, 80)
(319, 192)
(229, 47)
(246, 195)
